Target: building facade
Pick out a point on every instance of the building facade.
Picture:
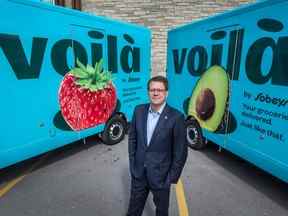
(159, 16)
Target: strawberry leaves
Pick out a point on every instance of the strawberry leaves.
(77, 72)
(91, 78)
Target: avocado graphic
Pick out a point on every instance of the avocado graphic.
(208, 103)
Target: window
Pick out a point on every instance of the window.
(60, 2)
(75, 4)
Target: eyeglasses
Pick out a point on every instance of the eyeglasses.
(157, 90)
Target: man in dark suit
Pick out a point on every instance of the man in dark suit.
(157, 149)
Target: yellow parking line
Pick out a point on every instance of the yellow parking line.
(10, 185)
(13, 182)
(181, 200)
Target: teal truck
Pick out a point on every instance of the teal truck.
(66, 75)
(229, 74)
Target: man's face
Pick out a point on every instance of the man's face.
(157, 93)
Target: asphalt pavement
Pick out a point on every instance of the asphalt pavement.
(92, 179)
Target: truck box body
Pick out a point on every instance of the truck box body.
(251, 45)
(39, 44)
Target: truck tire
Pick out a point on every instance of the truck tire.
(194, 134)
(114, 130)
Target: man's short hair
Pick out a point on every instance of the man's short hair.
(159, 78)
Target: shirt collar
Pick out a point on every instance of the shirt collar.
(159, 111)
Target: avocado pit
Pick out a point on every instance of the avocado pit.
(205, 104)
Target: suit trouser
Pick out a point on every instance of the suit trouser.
(139, 192)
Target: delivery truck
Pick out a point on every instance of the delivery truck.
(66, 75)
(229, 74)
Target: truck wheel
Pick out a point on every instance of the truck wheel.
(114, 130)
(194, 135)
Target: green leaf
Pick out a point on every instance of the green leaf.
(99, 66)
(101, 77)
(82, 82)
(103, 85)
(109, 75)
(94, 87)
(77, 72)
(91, 78)
(96, 65)
(90, 81)
(80, 65)
(90, 69)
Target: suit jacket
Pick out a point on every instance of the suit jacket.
(166, 154)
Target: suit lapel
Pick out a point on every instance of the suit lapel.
(145, 117)
(161, 122)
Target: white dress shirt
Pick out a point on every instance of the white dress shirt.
(153, 117)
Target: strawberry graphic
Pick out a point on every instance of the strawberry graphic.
(87, 96)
